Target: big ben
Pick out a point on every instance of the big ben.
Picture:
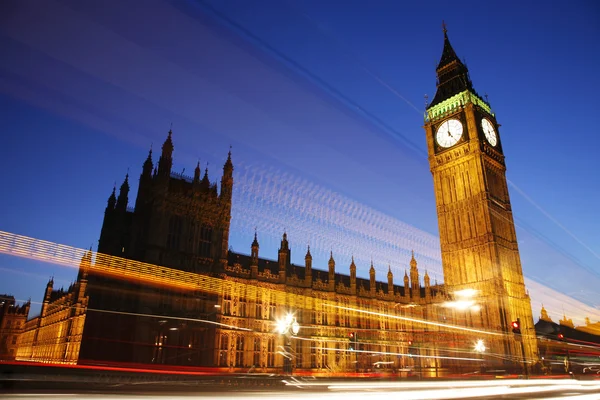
(477, 233)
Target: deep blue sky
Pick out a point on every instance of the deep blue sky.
(328, 93)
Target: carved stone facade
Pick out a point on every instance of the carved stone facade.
(12, 322)
(329, 306)
(55, 335)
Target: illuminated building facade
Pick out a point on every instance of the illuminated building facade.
(55, 335)
(477, 231)
(164, 288)
(12, 321)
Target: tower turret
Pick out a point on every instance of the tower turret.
(406, 285)
(427, 281)
(205, 182)
(308, 268)
(225, 200)
(331, 277)
(82, 276)
(112, 201)
(353, 276)
(414, 276)
(544, 315)
(123, 195)
(284, 254)
(390, 278)
(254, 257)
(145, 181)
(165, 163)
(197, 174)
(372, 279)
(84, 265)
(227, 179)
(148, 165)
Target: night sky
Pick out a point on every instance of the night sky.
(325, 97)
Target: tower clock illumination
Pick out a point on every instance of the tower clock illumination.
(489, 131)
(449, 133)
(478, 239)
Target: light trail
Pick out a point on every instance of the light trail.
(124, 269)
(273, 201)
(420, 321)
(121, 268)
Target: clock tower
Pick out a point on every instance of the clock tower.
(477, 231)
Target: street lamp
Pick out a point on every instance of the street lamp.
(480, 348)
(288, 327)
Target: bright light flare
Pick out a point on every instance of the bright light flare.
(287, 324)
(466, 293)
(480, 346)
(460, 304)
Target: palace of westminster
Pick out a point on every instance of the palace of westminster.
(178, 231)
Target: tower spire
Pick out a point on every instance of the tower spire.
(112, 199)
(197, 173)
(123, 194)
(453, 75)
(166, 158)
(147, 168)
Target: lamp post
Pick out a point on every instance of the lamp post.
(288, 327)
(480, 348)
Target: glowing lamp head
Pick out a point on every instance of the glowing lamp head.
(295, 327)
(515, 325)
(480, 346)
(281, 326)
(289, 318)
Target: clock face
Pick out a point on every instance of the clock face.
(449, 133)
(489, 131)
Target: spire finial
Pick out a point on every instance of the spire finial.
(444, 27)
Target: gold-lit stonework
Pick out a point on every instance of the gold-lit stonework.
(477, 231)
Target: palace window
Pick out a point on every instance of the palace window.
(239, 351)
(223, 349)
(313, 354)
(256, 352)
(271, 352)
(297, 345)
(205, 241)
(174, 234)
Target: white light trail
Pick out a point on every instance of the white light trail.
(273, 201)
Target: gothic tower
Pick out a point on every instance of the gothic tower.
(477, 231)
